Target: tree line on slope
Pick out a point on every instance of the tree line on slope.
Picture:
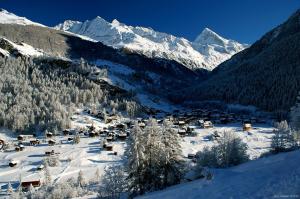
(35, 96)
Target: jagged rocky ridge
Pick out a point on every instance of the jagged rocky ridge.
(206, 52)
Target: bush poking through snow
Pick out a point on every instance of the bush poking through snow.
(229, 151)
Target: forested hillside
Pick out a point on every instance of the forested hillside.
(266, 75)
(39, 95)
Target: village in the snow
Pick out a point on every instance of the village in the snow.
(95, 143)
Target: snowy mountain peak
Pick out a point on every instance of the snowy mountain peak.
(208, 50)
(207, 36)
(10, 18)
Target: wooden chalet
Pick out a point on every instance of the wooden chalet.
(109, 138)
(21, 138)
(207, 124)
(51, 142)
(49, 135)
(182, 132)
(66, 132)
(20, 147)
(247, 127)
(92, 134)
(13, 163)
(2, 143)
(109, 147)
(25, 185)
(122, 136)
(34, 142)
(48, 153)
(191, 156)
(40, 167)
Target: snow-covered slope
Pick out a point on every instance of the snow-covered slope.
(10, 18)
(8, 48)
(206, 52)
(272, 177)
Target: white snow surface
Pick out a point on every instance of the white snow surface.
(88, 156)
(23, 48)
(10, 18)
(276, 176)
(206, 52)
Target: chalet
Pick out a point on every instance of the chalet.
(207, 124)
(142, 125)
(66, 132)
(21, 137)
(49, 135)
(25, 185)
(40, 167)
(190, 129)
(121, 126)
(191, 156)
(2, 143)
(34, 142)
(247, 127)
(92, 134)
(13, 163)
(109, 147)
(20, 147)
(181, 122)
(109, 138)
(182, 132)
(51, 142)
(122, 136)
(91, 128)
(48, 153)
(201, 122)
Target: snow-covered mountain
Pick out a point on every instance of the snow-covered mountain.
(10, 18)
(206, 52)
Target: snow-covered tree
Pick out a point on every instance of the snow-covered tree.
(229, 151)
(114, 182)
(172, 162)
(80, 179)
(76, 138)
(284, 138)
(47, 175)
(97, 175)
(136, 163)
(295, 114)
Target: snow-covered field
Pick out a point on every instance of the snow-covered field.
(88, 154)
(276, 176)
(258, 139)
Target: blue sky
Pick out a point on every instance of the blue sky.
(242, 20)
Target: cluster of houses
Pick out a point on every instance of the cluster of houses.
(184, 122)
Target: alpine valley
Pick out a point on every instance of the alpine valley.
(100, 109)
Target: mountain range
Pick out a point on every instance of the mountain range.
(206, 52)
(265, 74)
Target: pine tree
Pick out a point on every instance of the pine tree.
(284, 138)
(136, 163)
(80, 179)
(295, 114)
(173, 163)
(153, 154)
(76, 138)
(47, 175)
(97, 175)
(114, 182)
